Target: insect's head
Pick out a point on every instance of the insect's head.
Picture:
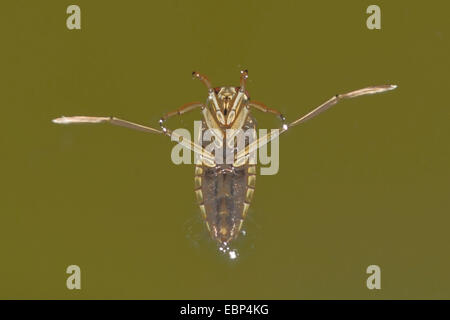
(225, 102)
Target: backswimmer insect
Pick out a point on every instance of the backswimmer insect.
(224, 191)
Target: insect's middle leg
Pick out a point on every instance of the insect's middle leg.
(262, 107)
(183, 109)
(207, 157)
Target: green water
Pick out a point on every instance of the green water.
(365, 183)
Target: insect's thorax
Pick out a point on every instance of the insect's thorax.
(225, 143)
(226, 119)
(227, 108)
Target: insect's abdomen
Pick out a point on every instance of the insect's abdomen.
(224, 194)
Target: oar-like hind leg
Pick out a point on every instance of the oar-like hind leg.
(255, 145)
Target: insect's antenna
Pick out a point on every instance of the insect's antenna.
(203, 79)
(244, 76)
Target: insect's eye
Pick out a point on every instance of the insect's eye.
(216, 90)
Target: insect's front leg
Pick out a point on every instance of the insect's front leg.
(208, 157)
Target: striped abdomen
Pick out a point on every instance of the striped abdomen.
(224, 194)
